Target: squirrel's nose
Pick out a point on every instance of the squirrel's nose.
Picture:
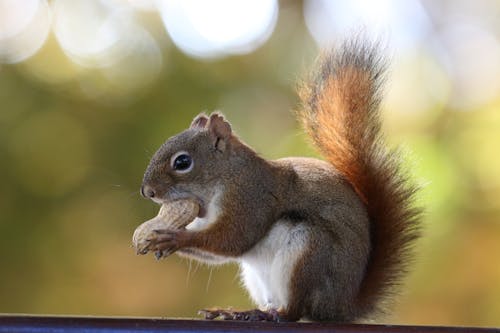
(147, 191)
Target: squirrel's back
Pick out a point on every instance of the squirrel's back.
(340, 111)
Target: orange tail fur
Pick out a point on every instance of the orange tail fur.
(340, 111)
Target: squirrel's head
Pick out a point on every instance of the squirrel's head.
(193, 162)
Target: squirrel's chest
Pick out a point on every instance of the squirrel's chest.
(266, 270)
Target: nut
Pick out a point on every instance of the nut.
(172, 215)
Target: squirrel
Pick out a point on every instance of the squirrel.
(316, 240)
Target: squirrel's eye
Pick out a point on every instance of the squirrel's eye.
(182, 162)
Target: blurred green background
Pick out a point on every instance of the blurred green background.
(90, 89)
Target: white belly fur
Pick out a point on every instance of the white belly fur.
(266, 269)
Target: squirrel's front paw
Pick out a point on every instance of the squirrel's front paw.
(166, 241)
(172, 216)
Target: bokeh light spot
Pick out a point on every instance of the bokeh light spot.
(139, 65)
(84, 30)
(119, 54)
(403, 22)
(210, 29)
(24, 27)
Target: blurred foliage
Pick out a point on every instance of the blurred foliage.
(71, 166)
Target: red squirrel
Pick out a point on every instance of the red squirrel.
(317, 240)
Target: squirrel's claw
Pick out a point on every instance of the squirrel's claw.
(210, 314)
(271, 315)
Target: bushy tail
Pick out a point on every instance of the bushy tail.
(341, 113)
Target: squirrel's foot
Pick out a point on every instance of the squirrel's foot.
(271, 315)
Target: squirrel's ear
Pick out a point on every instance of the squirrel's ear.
(220, 130)
(200, 121)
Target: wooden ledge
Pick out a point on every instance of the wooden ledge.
(63, 324)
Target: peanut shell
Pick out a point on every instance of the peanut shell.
(172, 215)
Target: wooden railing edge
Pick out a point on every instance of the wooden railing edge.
(15, 323)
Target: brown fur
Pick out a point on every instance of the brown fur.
(345, 226)
(341, 114)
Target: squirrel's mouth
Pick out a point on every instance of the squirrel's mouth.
(202, 211)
